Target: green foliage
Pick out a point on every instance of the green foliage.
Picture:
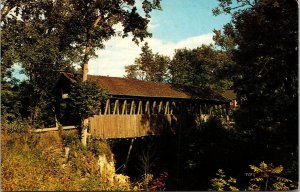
(71, 138)
(233, 6)
(265, 36)
(9, 105)
(204, 66)
(45, 37)
(221, 183)
(100, 147)
(18, 103)
(86, 98)
(264, 177)
(16, 126)
(149, 66)
(225, 39)
(267, 177)
(30, 27)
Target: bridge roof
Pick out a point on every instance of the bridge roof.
(117, 86)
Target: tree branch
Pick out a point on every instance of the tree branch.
(5, 10)
(249, 3)
(88, 48)
(237, 7)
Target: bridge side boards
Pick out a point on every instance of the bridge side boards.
(137, 117)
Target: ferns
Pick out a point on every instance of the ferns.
(264, 177)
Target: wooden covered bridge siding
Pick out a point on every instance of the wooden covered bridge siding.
(124, 118)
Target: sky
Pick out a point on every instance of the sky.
(181, 23)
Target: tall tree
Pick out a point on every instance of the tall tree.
(204, 66)
(266, 55)
(48, 36)
(149, 66)
(183, 67)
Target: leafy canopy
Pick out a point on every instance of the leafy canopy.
(45, 37)
(204, 66)
(86, 98)
(149, 66)
(264, 37)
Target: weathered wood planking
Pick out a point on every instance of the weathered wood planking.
(126, 126)
(55, 128)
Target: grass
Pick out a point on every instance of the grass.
(34, 162)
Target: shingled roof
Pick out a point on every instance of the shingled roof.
(117, 86)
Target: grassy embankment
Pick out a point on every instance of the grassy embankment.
(31, 161)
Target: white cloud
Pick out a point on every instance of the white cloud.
(153, 25)
(120, 52)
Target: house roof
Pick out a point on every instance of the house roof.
(117, 86)
(229, 94)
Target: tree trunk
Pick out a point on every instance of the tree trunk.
(87, 52)
(84, 128)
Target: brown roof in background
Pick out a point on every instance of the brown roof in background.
(132, 87)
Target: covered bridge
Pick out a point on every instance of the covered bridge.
(138, 108)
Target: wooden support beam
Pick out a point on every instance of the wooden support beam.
(147, 107)
(210, 109)
(167, 110)
(56, 122)
(128, 155)
(160, 106)
(107, 107)
(154, 107)
(124, 108)
(132, 107)
(140, 108)
(116, 107)
(55, 129)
